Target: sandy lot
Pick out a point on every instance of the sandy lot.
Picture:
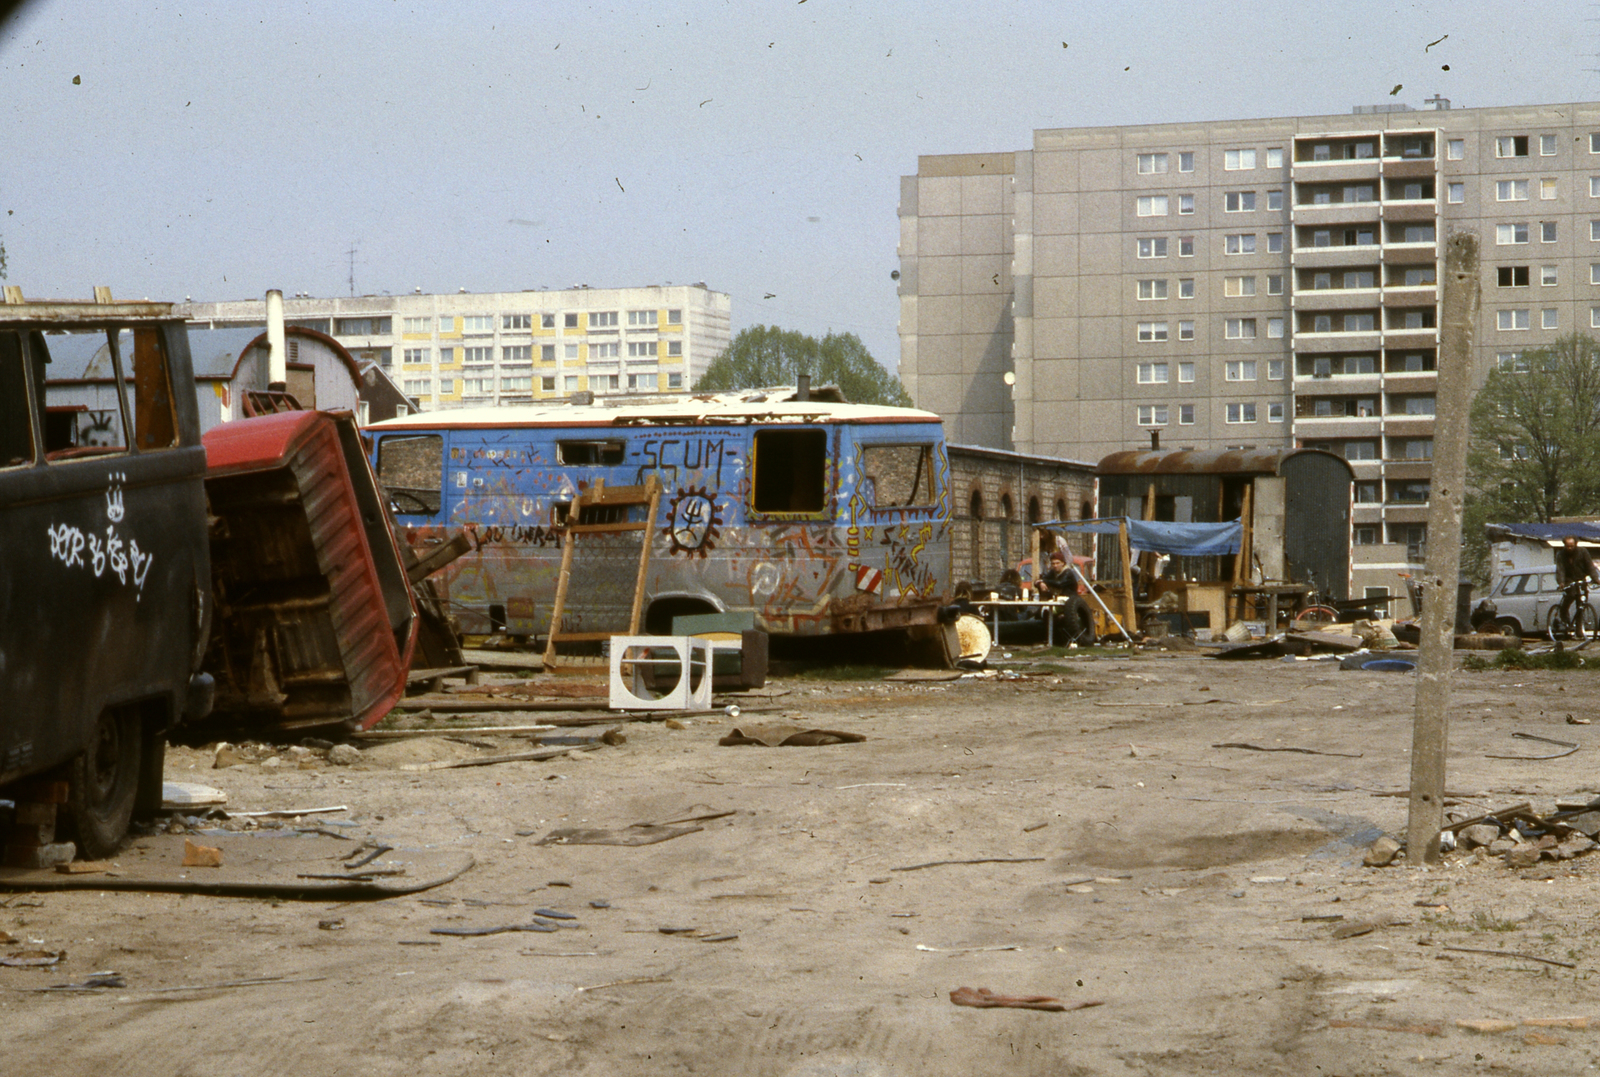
(1198, 893)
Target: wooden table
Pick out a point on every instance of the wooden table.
(995, 605)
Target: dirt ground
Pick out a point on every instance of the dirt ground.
(1212, 900)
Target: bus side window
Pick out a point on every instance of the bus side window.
(411, 469)
(16, 419)
(791, 470)
(898, 476)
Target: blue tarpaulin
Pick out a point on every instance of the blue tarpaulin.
(1156, 536)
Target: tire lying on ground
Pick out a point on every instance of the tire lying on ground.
(1378, 663)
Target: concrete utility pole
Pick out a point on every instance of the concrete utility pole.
(1452, 405)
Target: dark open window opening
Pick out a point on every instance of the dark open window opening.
(898, 476)
(590, 453)
(791, 470)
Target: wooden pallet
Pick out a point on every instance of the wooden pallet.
(601, 510)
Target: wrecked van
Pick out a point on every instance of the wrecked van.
(105, 594)
(819, 517)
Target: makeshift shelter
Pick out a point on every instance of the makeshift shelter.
(1170, 539)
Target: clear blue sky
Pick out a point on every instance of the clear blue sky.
(219, 150)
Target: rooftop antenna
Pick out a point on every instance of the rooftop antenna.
(351, 254)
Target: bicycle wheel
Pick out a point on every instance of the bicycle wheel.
(1558, 629)
(1587, 621)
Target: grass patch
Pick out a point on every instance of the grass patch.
(1518, 659)
(843, 673)
(1480, 922)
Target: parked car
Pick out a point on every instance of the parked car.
(105, 591)
(1520, 603)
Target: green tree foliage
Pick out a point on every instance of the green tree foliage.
(765, 355)
(1534, 451)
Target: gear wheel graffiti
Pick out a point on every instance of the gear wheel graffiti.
(692, 522)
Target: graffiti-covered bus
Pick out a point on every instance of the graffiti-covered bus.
(818, 516)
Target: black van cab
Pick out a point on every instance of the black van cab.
(105, 580)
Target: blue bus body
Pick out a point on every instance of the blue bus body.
(818, 517)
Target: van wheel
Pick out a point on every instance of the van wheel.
(103, 783)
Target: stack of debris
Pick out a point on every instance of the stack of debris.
(1518, 835)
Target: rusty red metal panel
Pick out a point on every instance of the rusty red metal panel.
(1228, 462)
(315, 624)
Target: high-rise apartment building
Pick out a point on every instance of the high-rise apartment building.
(479, 349)
(1252, 283)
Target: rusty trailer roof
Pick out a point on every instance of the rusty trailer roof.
(1213, 462)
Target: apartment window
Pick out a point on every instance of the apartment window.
(477, 325)
(547, 353)
(1152, 415)
(675, 381)
(1512, 319)
(1275, 157)
(1240, 413)
(642, 381)
(570, 321)
(1547, 231)
(1185, 372)
(1185, 246)
(1185, 414)
(1549, 318)
(516, 321)
(602, 319)
(1594, 317)
(1455, 149)
(1152, 289)
(1152, 163)
(1274, 413)
(417, 356)
(1274, 284)
(1367, 494)
(1239, 286)
(608, 350)
(362, 327)
(1275, 369)
(1186, 161)
(1239, 201)
(571, 383)
(1185, 330)
(477, 355)
(418, 386)
(1185, 203)
(1240, 370)
(1152, 205)
(1361, 193)
(1275, 328)
(1510, 233)
(1511, 191)
(674, 317)
(1547, 187)
(1594, 186)
(674, 347)
(547, 321)
(641, 349)
(517, 353)
(1152, 247)
(1185, 287)
(1322, 323)
(447, 323)
(1239, 328)
(1456, 192)
(1514, 362)
(1359, 323)
(1274, 199)
(447, 356)
(1594, 230)
(1322, 237)
(1512, 276)
(569, 351)
(1594, 143)
(1150, 332)
(1240, 243)
(548, 384)
(1274, 242)
(476, 386)
(1547, 145)
(1511, 146)
(520, 384)
(1152, 373)
(1238, 160)
(1547, 275)
(419, 325)
(642, 318)
(1361, 450)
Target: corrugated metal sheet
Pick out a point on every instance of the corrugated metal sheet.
(297, 565)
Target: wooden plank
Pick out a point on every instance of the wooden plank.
(606, 529)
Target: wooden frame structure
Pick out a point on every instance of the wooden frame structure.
(601, 510)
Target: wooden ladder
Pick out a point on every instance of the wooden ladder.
(601, 510)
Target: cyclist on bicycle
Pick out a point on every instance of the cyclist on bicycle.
(1574, 569)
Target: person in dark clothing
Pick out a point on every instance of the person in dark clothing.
(1574, 566)
(1073, 619)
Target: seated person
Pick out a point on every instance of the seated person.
(1074, 622)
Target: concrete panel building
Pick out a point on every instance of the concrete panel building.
(475, 349)
(1258, 284)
